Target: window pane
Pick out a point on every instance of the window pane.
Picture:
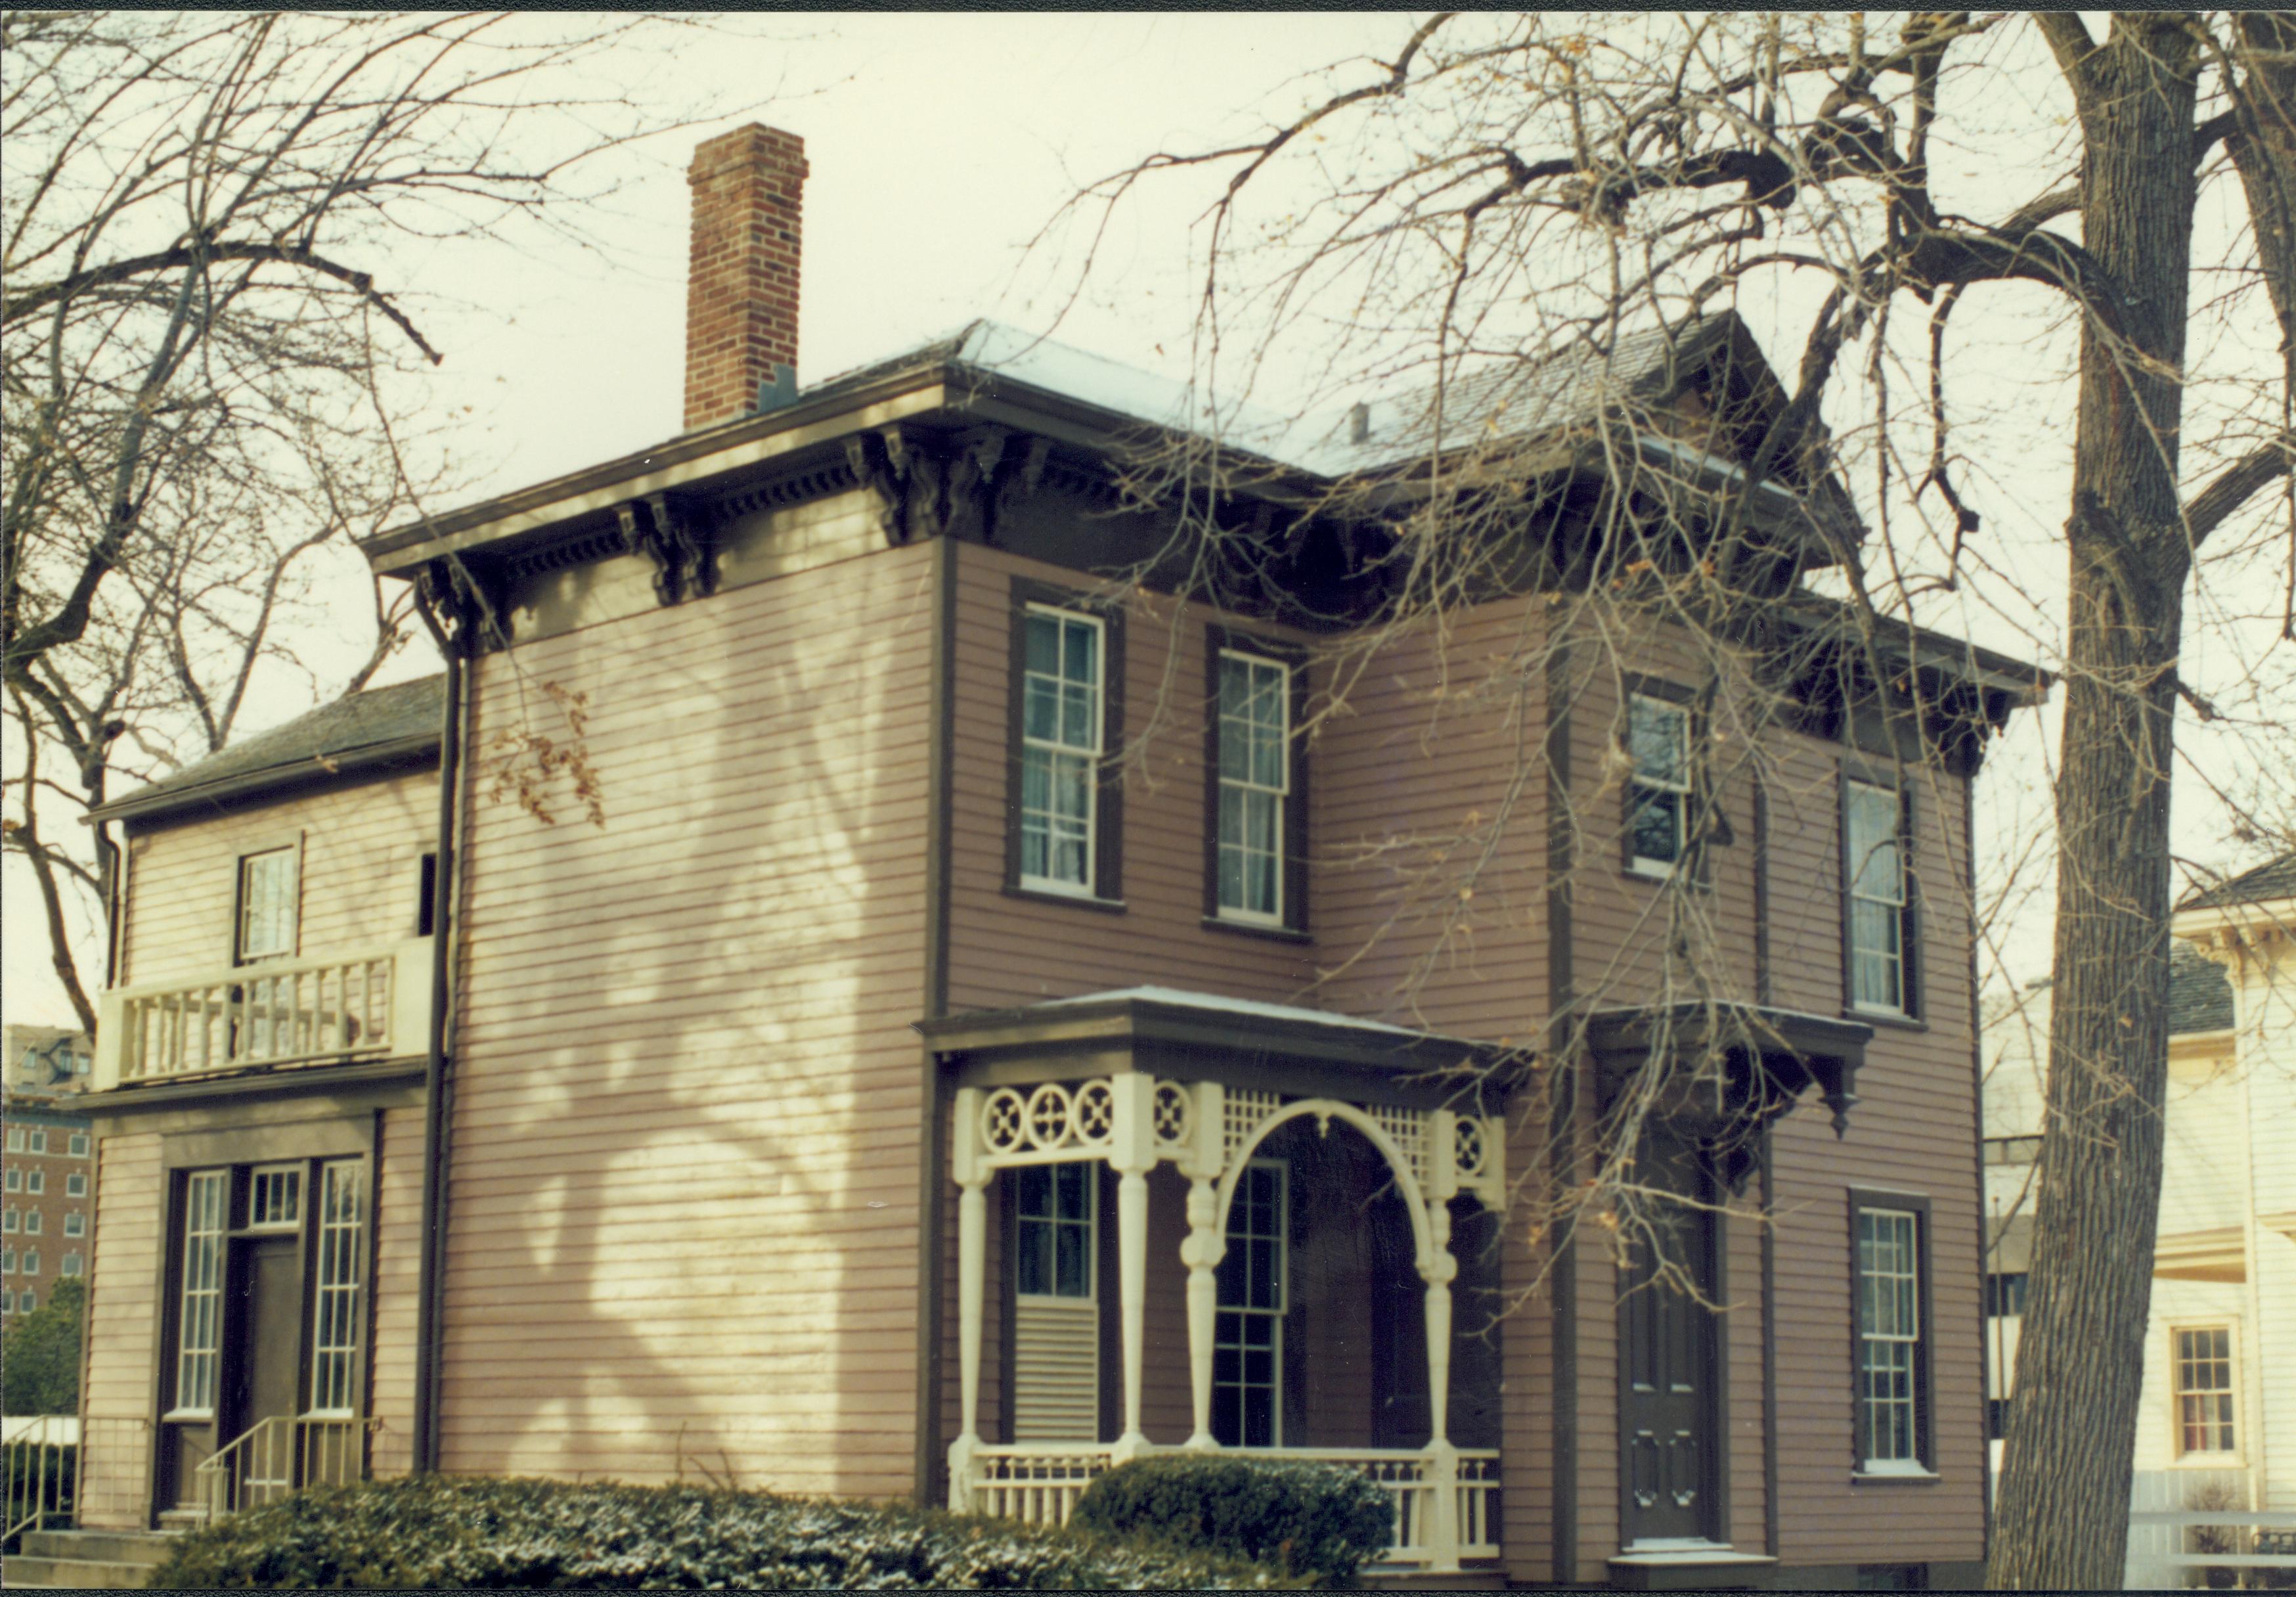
(1043, 645)
(1657, 825)
(1658, 736)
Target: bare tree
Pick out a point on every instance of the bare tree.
(205, 361)
(1508, 198)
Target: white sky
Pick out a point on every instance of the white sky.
(938, 144)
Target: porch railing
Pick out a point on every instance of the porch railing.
(369, 1002)
(1039, 1482)
(286, 1452)
(58, 1468)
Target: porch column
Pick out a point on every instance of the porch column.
(1132, 1152)
(1203, 1251)
(971, 1172)
(1437, 1268)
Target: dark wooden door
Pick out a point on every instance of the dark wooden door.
(1667, 1347)
(265, 1371)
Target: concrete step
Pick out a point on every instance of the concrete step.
(145, 1547)
(74, 1574)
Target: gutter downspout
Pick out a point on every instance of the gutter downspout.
(429, 1292)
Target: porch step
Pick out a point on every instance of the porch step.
(145, 1547)
(1376, 1579)
(106, 1560)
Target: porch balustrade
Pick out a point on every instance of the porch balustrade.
(1443, 1495)
(368, 1003)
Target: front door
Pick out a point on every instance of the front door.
(264, 1373)
(1668, 1410)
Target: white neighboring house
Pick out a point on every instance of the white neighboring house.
(2220, 1345)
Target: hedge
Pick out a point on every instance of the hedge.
(450, 1531)
(1320, 1522)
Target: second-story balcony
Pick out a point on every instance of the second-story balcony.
(369, 1003)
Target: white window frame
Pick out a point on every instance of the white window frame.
(76, 1184)
(73, 1266)
(1056, 751)
(35, 1222)
(1246, 734)
(1906, 1338)
(1677, 789)
(15, 1139)
(29, 1265)
(26, 1301)
(36, 1138)
(1222, 1340)
(199, 1324)
(265, 1183)
(9, 1221)
(1089, 1225)
(276, 937)
(7, 1261)
(2229, 1391)
(341, 1282)
(15, 1181)
(77, 1143)
(75, 1224)
(36, 1181)
(1876, 887)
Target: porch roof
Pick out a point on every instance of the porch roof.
(1241, 1042)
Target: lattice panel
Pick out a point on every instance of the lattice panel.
(1241, 1114)
(1407, 1130)
(1017, 1126)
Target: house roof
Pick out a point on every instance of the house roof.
(2272, 880)
(2200, 994)
(383, 726)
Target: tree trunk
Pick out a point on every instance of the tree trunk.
(2064, 1505)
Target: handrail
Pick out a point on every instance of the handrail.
(279, 1455)
(371, 1001)
(41, 1477)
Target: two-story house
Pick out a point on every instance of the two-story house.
(866, 976)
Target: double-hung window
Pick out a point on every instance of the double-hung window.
(34, 1220)
(77, 1145)
(76, 1184)
(1254, 818)
(1657, 793)
(1248, 1336)
(1892, 1390)
(199, 1324)
(8, 1221)
(1878, 918)
(335, 1331)
(267, 905)
(1062, 725)
(75, 1224)
(2204, 1391)
(1053, 1248)
(36, 1140)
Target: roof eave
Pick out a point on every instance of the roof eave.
(416, 749)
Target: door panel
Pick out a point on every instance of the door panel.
(1667, 1369)
(265, 1369)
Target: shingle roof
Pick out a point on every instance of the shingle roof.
(374, 721)
(2273, 879)
(2200, 994)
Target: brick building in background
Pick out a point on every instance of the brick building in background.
(47, 1211)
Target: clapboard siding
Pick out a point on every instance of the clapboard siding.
(398, 1261)
(123, 1279)
(684, 1199)
(363, 845)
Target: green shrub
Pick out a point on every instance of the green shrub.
(450, 1531)
(1318, 1521)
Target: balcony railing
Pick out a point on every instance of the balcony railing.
(368, 1003)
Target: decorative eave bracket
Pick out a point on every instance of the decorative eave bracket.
(957, 485)
(681, 540)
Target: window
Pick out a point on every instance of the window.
(2004, 1294)
(1255, 816)
(267, 905)
(36, 1140)
(15, 1181)
(1892, 1362)
(1874, 867)
(73, 1265)
(1061, 746)
(1052, 1251)
(75, 1224)
(200, 1322)
(33, 1221)
(7, 1303)
(7, 1261)
(1658, 797)
(26, 1301)
(274, 1197)
(31, 1265)
(426, 896)
(2204, 1397)
(76, 1185)
(1248, 1339)
(335, 1338)
(15, 1139)
(8, 1221)
(78, 1145)
(36, 1181)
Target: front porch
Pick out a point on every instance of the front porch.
(1290, 1201)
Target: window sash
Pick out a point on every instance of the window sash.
(1252, 1289)
(267, 905)
(1658, 796)
(1255, 782)
(274, 1197)
(75, 1224)
(1053, 1242)
(2205, 1405)
(1889, 1335)
(1062, 721)
(36, 1140)
(336, 1309)
(200, 1322)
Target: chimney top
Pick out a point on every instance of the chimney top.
(741, 279)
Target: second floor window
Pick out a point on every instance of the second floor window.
(267, 905)
(1061, 746)
(2204, 1395)
(1255, 788)
(1874, 868)
(1658, 800)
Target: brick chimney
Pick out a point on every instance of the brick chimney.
(741, 286)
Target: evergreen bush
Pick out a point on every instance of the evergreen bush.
(1320, 1522)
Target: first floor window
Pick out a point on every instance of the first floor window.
(1060, 723)
(335, 1339)
(1875, 822)
(2204, 1397)
(1255, 782)
(1889, 1336)
(267, 905)
(73, 1265)
(1248, 1339)
(200, 1317)
(1658, 796)
(1052, 1248)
